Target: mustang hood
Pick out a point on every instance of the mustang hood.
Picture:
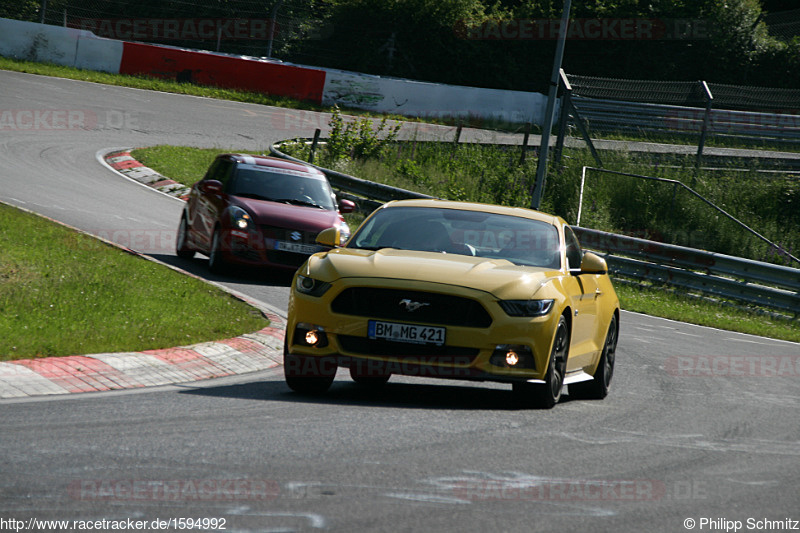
(497, 276)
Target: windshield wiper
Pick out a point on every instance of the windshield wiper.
(295, 201)
(254, 196)
(374, 248)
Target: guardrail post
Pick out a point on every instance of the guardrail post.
(703, 130)
(525, 143)
(456, 140)
(563, 116)
(314, 144)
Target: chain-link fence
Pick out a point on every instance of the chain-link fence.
(687, 93)
(260, 28)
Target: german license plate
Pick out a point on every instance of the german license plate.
(296, 247)
(393, 331)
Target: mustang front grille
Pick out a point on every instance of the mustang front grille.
(411, 306)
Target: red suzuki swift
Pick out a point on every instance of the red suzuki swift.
(256, 210)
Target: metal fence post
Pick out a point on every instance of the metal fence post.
(314, 143)
(704, 129)
(563, 116)
(525, 143)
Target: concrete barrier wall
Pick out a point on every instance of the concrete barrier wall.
(422, 99)
(62, 46)
(230, 72)
(82, 49)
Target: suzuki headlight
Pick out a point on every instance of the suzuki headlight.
(240, 219)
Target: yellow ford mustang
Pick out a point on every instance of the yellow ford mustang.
(455, 290)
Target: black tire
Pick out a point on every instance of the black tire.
(546, 395)
(307, 375)
(368, 381)
(181, 244)
(597, 388)
(216, 260)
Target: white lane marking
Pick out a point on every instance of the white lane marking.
(316, 521)
(725, 331)
(427, 498)
(734, 339)
(686, 334)
(695, 442)
(766, 483)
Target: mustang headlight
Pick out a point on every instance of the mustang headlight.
(239, 218)
(528, 308)
(311, 286)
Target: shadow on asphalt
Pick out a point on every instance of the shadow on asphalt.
(253, 276)
(434, 394)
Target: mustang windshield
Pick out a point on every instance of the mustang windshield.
(473, 233)
(281, 187)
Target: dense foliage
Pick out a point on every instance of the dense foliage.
(479, 43)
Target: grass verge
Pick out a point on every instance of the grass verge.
(167, 160)
(149, 83)
(66, 293)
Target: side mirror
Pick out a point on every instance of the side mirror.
(593, 264)
(211, 187)
(346, 206)
(328, 237)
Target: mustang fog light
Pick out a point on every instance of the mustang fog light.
(310, 335)
(512, 356)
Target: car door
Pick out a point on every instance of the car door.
(210, 202)
(584, 293)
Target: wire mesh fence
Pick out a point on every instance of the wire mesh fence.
(687, 93)
(267, 28)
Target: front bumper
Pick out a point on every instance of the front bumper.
(467, 351)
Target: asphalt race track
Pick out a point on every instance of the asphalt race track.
(700, 428)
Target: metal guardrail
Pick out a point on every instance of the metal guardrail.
(621, 116)
(367, 190)
(744, 280)
(677, 184)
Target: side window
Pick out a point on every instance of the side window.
(574, 253)
(212, 169)
(223, 172)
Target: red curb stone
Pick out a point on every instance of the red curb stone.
(189, 361)
(163, 183)
(78, 373)
(123, 165)
(243, 345)
(274, 332)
